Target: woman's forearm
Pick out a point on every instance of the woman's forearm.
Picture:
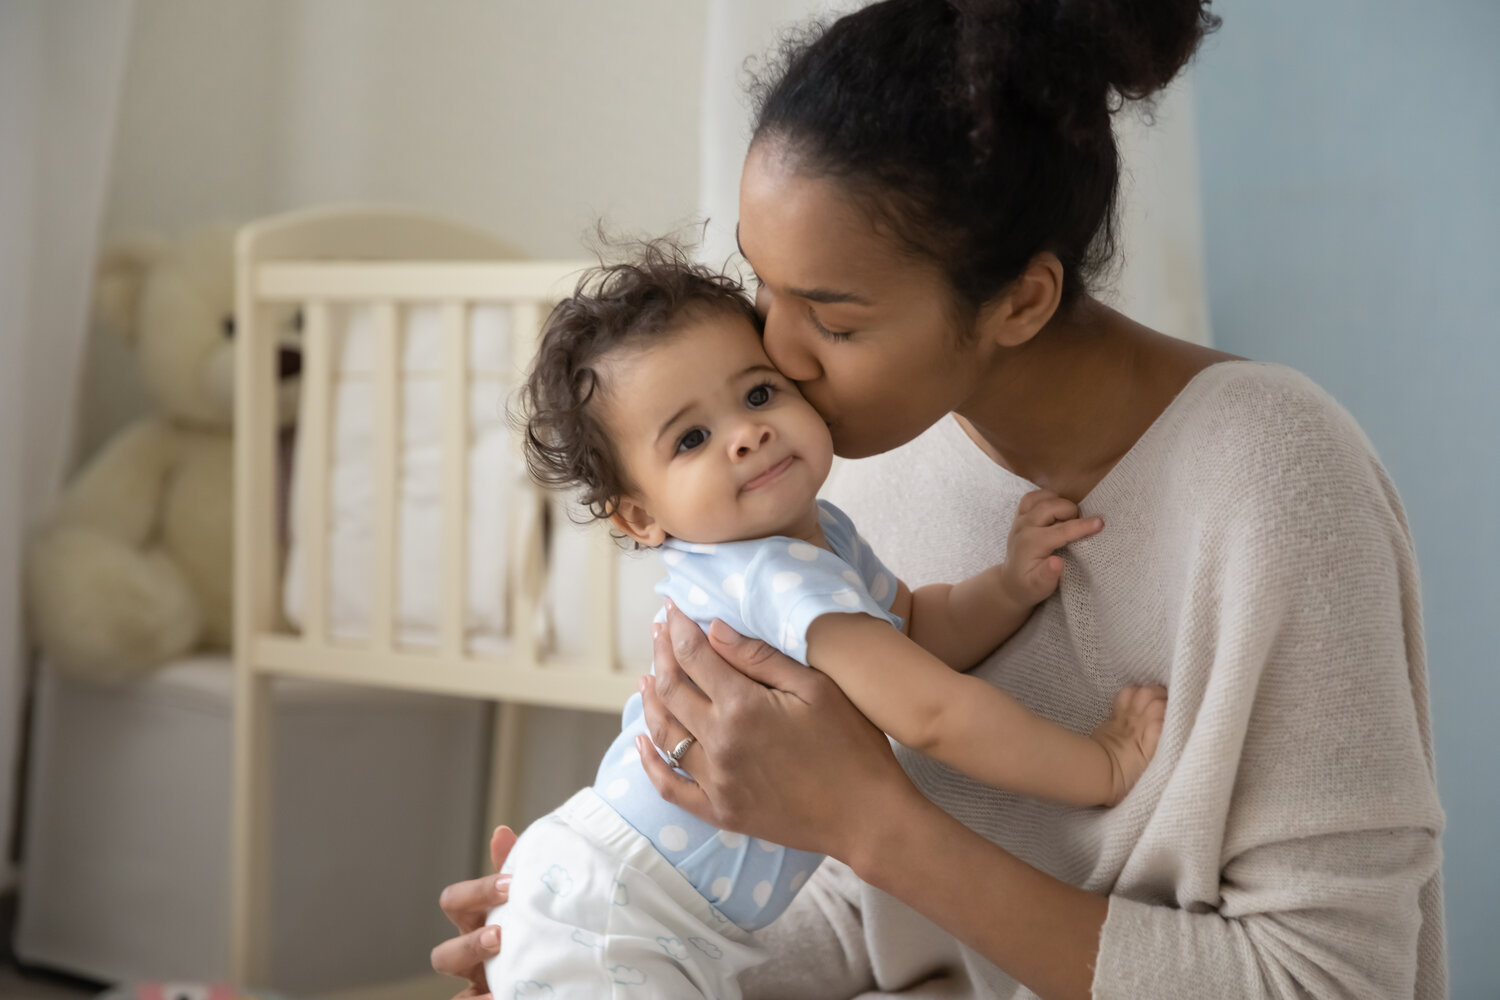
(1041, 931)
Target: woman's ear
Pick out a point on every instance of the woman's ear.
(637, 522)
(1027, 304)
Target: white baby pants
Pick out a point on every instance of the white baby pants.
(595, 912)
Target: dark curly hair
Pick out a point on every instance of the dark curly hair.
(979, 130)
(616, 305)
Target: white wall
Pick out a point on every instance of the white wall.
(526, 118)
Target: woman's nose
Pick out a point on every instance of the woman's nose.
(783, 343)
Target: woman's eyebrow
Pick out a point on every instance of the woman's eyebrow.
(825, 295)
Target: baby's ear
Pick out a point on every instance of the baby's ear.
(637, 522)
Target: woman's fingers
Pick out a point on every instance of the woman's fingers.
(697, 661)
(673, 787)
(501, 841)
(757, 660)
(466, 904)
(464, 958)
(677, 692)
(666, 732)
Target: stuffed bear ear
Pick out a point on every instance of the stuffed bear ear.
(117, 285)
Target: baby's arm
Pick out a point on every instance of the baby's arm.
(960, 623)
(976, 728)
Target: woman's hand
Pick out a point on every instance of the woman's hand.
(466, 905)
(781, 753)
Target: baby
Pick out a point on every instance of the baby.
(652, 396)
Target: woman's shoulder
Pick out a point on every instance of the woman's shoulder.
(1253, 434)
(1265, 412)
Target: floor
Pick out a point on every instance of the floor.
(17, 983)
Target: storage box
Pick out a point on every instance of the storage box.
(377, 802)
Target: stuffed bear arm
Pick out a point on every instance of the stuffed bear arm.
(119, 491)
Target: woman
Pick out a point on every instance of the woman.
(927, 196)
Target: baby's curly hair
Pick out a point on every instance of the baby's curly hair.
(625, 304)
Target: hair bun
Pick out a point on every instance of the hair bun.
(1077, 61)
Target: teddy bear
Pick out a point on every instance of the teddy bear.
(134, 567)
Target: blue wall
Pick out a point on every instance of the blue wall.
(1351, 182)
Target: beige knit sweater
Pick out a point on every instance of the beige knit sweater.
(1284, 842)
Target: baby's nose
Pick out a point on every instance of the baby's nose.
(750, 438)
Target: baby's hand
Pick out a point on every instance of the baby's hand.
(1044, 523)
(1129, 736)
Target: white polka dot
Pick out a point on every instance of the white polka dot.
(852, 577)
(697, 596)
(789, 638)
(802, 551)
(721, 888)
(673, 838)
(782, 582)
(617, 788)
(881, 588)
(730, 839)
(734, 585)
(704, 548)
(767, 846)
(797, 880)
(845, 598)
(762, 893)
(672, 557)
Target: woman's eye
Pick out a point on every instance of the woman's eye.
(691, 440)
(759, 396)
(837, 336)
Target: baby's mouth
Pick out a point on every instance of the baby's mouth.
(768, 475)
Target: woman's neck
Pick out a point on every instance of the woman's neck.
(1063, 408)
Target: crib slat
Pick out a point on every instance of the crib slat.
(387, 469)
(526, 572)
(315, 420)
(454, 618)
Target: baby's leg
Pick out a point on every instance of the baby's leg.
(584, 920)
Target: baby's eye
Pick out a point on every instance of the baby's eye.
(760, 395)
(691, 440)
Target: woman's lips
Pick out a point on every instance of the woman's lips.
(770, 474)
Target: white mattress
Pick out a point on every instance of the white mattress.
(491, 466)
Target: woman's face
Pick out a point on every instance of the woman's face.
(865, 331)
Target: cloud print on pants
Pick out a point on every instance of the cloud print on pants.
(627, 976)
(558, 880)
(532, 990)
(673, 946)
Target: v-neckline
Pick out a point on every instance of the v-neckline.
(1106, 484)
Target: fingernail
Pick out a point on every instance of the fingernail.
(502, 884)
(719, 630)
(640, 683)
(670, 605)
(489, 939)
(656, 630)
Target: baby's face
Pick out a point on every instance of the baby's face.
(717, 445)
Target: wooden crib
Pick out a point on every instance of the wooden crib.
(390, 264)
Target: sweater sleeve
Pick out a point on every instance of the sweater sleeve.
(1331, 916)
(1302, 809)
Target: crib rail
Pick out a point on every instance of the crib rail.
(526, 672)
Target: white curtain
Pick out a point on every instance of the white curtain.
(61, 66)
(1161, 279)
